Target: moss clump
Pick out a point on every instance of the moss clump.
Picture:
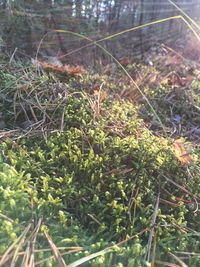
(98, 180)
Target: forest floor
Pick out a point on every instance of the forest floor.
(101, 169)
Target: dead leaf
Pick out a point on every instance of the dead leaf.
(173, 61)
(124, 61)
(65, 69)
(180, 152)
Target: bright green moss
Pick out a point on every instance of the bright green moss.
(97, 181)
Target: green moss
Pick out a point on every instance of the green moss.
(97, 181)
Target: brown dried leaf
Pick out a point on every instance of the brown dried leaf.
(124, 61)
(173, 61)
(65, 69)
(180, 152)
(74, 70)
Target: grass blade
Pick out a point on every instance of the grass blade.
(167, 264)
(90, 257)
(178, 260)
(186, 15)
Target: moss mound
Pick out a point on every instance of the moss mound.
(95, 174)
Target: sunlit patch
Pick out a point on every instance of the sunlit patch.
(181, 152)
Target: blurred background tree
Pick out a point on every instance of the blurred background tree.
(24, 22)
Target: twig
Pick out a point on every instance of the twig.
(6, 218)
(151, 234)
(55, 251)
(13, 54)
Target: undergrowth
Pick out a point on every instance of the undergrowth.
(82, 167)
